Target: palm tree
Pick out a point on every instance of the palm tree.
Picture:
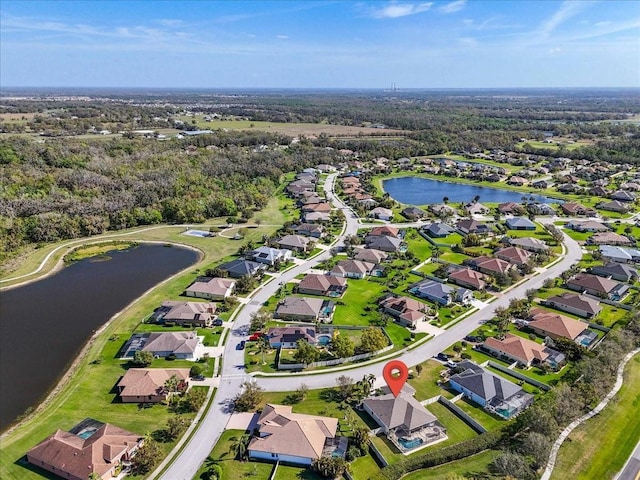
(263, 346)
(240, 447)
(445, 200)
(435, 251)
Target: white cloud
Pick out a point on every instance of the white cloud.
(603, 24)
(567, 10)
(554, 50)
(396, 10)
(453, 6)
(468, 42)
(282, 37)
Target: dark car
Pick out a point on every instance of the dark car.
(442, 356)
(241, 345)
(198, 377)
(217, 322)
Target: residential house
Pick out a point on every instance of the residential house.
(441, 293)
(322, 207)
(467, 226)
(384, 231)
(182, 345)
(404, 420)
(91, 447)
(599, 286)
(476, 208)
(511, 208)
(491, 266)
(284, 436)
(381, 213)
(305, 309)
(295, 243)
(517, 181)
(587, 226)
(405, 310)
(554, 325)
(580, 305)
(352, 269)
(616, 271)
(242, 268)
(438, 230)
(442, 210)
(523, 351)
(324, 285)
(213, 289)
(490, 391)
(599, 191)
(370, 255)
(529, 244)
(465, 277)
(147, 385)
(619, 254)
(270, 256)
(316, 217)
(540, 184)
(514, 255)
(614, 206)
(608, 238)
(287, 337)
(309, 230)
(520, 223)
(413, 213)
(623, 196)
(573, 209)
(193, 314)
(385, 243)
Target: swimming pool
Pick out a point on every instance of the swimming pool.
(409, 444)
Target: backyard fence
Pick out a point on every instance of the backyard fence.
(520, 376)
(456, 410)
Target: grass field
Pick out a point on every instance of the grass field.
(475, 466)
(599, 447)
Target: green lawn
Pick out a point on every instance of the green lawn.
(418, 245)
(599, 447)
(486, 419)
(470, 467)
(453, 257)
(364, 468)
(425, 384)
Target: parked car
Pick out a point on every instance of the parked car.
(255, 337)
(198, 378)
(241, 345)
(217, 322)
(451, 364)
(442, 356)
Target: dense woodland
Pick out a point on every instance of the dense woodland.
(66, 187)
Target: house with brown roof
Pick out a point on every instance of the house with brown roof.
(514, 255)
(599, 286)
(385, 230)
(580, 305)
(529, 244)
(517, 181)
(608, 238)
(467, 226)
(309, 230)
(614, 206)
(493, 266)
(287, 337)
(89, 447)
(587, 226)
(511, 208)
(147, 385)
(465, 277)
(193, 314)
(284, 436)
(370, 255)
(352, 269)
(324, 285)
(296, 243)
(405, 310)
(523, 351)
(182, 345)
(305, 309)
(554, 325)
(574, 208)
(213, 289)
(322, 207)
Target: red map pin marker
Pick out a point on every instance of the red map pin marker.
(395, 373)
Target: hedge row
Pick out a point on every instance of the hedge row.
(441, 456)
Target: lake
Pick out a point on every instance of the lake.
(424, 191)
(45, 324)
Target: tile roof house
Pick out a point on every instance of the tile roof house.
(147, 385)
(490, 391)
(573, 208)
(523, 351)
(309, 230)
(384, 243)
(321, 207)
(510, 208)
(385, 230)
(89, 447)
(465, 277)
(304, 309)
(530, 244)
(614, 206)
(324, 285)
(370, 255)
(608, 238)
(514, 255)
(438, 230)
(476, 208)
(600, 286)
(316, 217)
(492, 266)
(617, 271)
(520, 223)
(270, 256)
(297, 243)
(287, 337)
(413, 213)
(213, 289)
(241, 268)
(587, 226)
(554, 325)
(181, 344)
(352, 269)
(623, 196)
(404, 420)
(580, 305)
(619, 254)
(291, 437)
(468, 226)
(405, 310)
(381, 213)
(199, 314)
(441, 293)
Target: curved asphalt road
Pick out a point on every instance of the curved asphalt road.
(186, 464)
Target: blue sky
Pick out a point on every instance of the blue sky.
(320, 44)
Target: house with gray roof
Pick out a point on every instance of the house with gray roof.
(580, 305)
(304, 309)
(520, 223)
(212, 289)
(413, 213)
(530, 244)
(370, 255)
(489, 390)
(441, 293)
(193, 314)
(296, 243)
(619, 254)
(587, 226)
(385, 243)
(270, 256)
(404, 420)
(467, 226)
(438, 230)
(242, 268)
(617, 271)
(163, 344)
(623, 196)
(309, 230)
(614, 206)
(599, 286)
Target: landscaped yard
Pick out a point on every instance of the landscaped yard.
(470, 467)
(600, 447)
(425, 384)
